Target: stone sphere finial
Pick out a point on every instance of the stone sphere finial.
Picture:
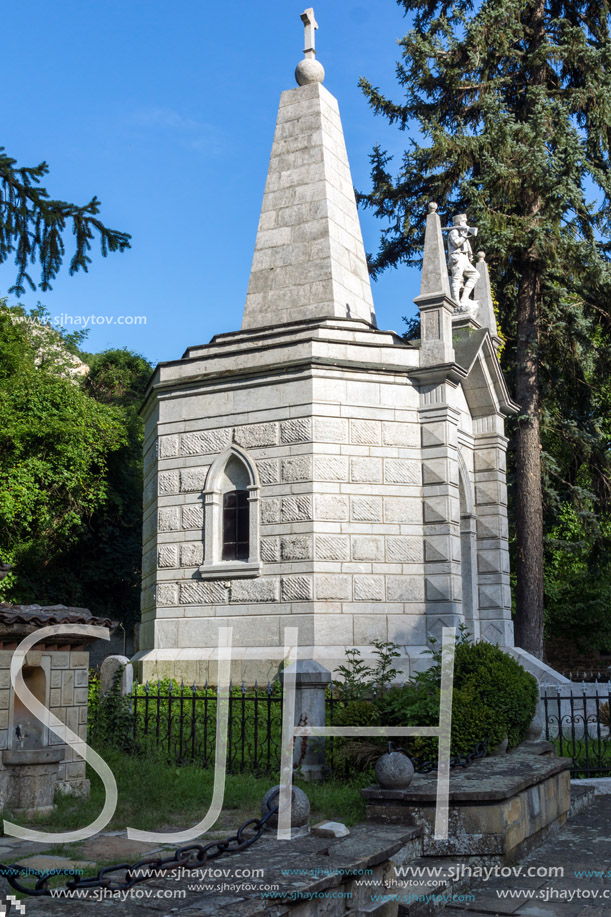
(481, 256)
(300, 807)
(309, 70)
(432, 207)
(394, 771)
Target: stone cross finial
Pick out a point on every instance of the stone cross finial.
(309, 70)
(310, 25)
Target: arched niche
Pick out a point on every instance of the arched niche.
(27, 731)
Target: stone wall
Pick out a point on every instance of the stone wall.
(66, 674)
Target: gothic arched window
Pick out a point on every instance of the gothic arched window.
(231, 525)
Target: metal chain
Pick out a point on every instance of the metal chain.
(191, 857)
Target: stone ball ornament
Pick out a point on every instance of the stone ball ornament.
(394, 771)
(309, 70)
(300, 807)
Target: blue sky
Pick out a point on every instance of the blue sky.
(167, 113)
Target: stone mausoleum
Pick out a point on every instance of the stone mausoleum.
(312, 470)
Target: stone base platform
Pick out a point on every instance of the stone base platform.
(500, 807)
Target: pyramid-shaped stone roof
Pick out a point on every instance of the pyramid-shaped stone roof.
(309, 260)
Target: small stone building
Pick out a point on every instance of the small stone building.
(312, 470)
(33, 760)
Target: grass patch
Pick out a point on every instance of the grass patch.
(154, 795)
(589, 759)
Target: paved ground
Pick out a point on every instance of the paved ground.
(579, 851)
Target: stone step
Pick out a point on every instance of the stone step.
(581, 798)
(421, 893)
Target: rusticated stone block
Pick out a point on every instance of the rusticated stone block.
(404, 549)
(268, 472)
(191, 554)
(209, 593)
(296, 509)
(368, 588)
(334, 586)
(401, 471)
(366, 470)
(436, 434)
(296, 547)
(255, 590)
(330, 430)
(205, 442)
(193, 517)
(168, 446)
(441, 588)
(257, 434)
(331, 507)
(296, 469)
(298, 430)
(167, 483)
(332, 547)
(166, 594)
(296, 588)
(366, 509)
(436, 509)
(168, 519)
(167, 555)
(400, 434)
(365, 432)
(193, 479)
(437, 548)
(405, 588)
(270, 550)
(436, 471)
(368, 547)
(330, 468)
(493, 526)
(492, 459)
(270, 510)
(490, 492)
(402, 509)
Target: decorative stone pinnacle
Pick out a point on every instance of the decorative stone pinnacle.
(309, 70)
(432, 207)
(481, 256)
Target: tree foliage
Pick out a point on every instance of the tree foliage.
(70, 469)
(508, 103)
(32, 226)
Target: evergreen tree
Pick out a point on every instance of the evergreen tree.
(509, 102)
(32, 226)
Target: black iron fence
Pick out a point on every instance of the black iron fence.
(180, 722)
(577, 721)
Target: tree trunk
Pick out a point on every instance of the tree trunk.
(529, 492)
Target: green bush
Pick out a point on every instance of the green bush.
(493, 698)
(499, 686)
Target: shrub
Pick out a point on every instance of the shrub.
(494, 698)
(500, 686)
